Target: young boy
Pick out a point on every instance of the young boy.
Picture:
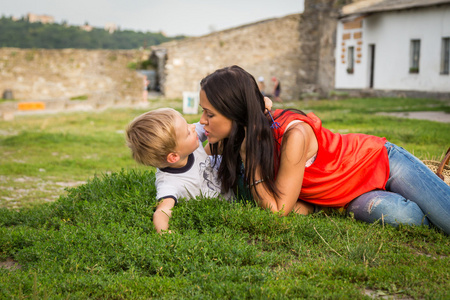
(163, 139)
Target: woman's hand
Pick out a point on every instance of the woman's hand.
(303, 208)
(267, 104)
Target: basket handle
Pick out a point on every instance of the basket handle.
(443, 163)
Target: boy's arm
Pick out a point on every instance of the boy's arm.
(162, 214)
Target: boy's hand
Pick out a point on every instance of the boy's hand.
(162, 214)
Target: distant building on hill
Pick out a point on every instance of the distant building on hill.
(44, 19)
(110, 27)
(86, 27)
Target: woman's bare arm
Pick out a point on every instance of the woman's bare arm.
(297, 147)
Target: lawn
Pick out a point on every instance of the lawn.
(76, 218)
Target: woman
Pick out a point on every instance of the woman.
(292, 163)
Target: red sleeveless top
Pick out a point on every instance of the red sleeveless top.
(346, 166)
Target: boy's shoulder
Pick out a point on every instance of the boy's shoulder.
(195, 161)
(196, 178)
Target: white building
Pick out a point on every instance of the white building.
(110, 27)
(394, 45)
(44, 19)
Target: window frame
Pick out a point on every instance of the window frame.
(445, 56)
(351, 59)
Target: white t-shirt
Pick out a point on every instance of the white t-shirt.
(197, 177)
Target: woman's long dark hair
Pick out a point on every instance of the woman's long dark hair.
(234, 93)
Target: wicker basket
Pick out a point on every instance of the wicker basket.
(442, 169)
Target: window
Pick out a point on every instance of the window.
(414, 56)
(350, 60)
(445, 55)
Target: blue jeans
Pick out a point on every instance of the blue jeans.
(414, 195)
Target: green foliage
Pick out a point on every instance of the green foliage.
(99, 242)
(81, 97)
(132, 65)
(22, 34)
(147, 64)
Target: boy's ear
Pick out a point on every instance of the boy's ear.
(172, 158)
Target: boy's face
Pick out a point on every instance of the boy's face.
(187, 138)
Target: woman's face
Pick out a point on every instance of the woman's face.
(217, 126)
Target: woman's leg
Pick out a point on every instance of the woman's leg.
(413, 180)
(390, 208)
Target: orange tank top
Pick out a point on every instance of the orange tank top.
(346, 166)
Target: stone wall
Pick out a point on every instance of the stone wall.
(58, 75)
(267, 48)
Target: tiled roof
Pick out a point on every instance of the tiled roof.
(374, 6)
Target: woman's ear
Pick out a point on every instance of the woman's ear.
(173, 158)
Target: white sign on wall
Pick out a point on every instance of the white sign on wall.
(190, 102)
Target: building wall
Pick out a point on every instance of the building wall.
(268, 48)
(352, 34)
(391, 33)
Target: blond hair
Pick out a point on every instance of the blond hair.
(151, 137)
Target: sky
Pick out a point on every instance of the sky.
(173, 17)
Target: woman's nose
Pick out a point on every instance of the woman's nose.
(203, 119)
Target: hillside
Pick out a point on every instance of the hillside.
(23, 34)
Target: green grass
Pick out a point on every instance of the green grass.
(97, 240)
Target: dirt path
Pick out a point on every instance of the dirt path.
(438, 116)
